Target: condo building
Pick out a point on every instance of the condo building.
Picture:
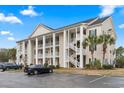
(63, 46)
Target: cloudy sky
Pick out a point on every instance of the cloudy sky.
(18, 22)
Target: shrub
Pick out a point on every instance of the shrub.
(120, 62)
(52, 66)
(107, 66)
(93, 65)
(46, 65)
(97, 64)
(57, 66)
(87, 66)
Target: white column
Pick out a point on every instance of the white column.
(64, 48)
(29, 53)
(76, 43)
(68, 48)
(81, 47)
(36, 50)
(18, 54)
(23, 51)
(43, 49)
(54, 51)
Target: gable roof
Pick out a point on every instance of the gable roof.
(41, 25)
(100, 20)
(85, 21)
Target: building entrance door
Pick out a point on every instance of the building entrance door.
(84, 60)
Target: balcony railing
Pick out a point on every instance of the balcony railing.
(26, 51)
(57, 42)
(40, 45)
(48, 44)
(40, 55)
(78, 36)
(57, 53)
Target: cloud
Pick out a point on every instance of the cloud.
(29, 12)
(121, 26)
(107, 10)
(11, 38)
(6, 33)
(10, 19)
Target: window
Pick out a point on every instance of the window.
(84, 47)
(89, 60)
(93, 32)
(84, 31)
(72, 35)
(110, 29)
(94, 47)
(110, 51)
(95, 59)
(78, 29)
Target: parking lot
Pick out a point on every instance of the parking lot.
(55, 80)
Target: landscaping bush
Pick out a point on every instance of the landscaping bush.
(107, 67)
(120, 62)
(87, 66)
(52, 66)
(94, 65)
(57, 66)
(97, 64)
(46, 65)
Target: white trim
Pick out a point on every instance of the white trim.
(81, 47)
(36, 50)
(44, 49)
(54, 51)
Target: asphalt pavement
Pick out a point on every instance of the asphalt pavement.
(55, 80)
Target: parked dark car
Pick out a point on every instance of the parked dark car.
(37, 69)
(2, 66)
(7, 66)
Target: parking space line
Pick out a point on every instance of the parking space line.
(96, 79)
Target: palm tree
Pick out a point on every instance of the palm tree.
(105, 40)
(91, 41)
(12, 54)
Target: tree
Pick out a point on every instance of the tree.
(119, 51)
(105, 40)
(120, 57)
(91, 41)
(12, 54)
(3, 55)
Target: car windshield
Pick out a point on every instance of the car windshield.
(36, 66)
(1, 63)
(10, 64)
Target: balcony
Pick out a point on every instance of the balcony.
(40, 45)
(48, 55)
(57, 42)
(57, 53)
(40, 55)
(49, 44)
(78, 36)
(26, 51)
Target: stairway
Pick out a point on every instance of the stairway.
(73, 47)
(72, 59)
(72, 56)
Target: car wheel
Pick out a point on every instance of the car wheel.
(29, 73)
(35, 72)
(7, 68)
(3, 69)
